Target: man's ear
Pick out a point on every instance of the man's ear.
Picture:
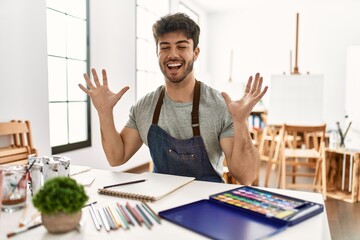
(196, 53)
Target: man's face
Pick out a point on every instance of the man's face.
(176, 56)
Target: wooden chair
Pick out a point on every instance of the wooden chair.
(20, 145)
(305, 157)
(269, 149)
(227, 175)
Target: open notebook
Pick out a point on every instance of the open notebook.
(155, 187)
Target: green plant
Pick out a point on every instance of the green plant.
(60, 195)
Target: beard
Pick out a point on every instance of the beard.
(177, 79)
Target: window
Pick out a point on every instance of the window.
(188, 11)
(68, 52)
(194, 16)
(148, 74)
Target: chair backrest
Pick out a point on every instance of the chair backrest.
(302, 146)
(20, 142)
(309, 137)
(268, 144)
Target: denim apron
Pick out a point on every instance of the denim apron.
(184, 157)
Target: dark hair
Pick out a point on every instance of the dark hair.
(177, 22)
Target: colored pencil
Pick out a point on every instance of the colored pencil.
(108, 217)
(97, 217)
(147, 224)
(146, 219)
(97, 226)
(151, 212)
(133, 221)
(133, 213)
(126, 225)
(128, 219)
(103, 219)
(114, 217)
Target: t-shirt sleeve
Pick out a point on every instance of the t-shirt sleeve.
(228, 129)
(131, 123)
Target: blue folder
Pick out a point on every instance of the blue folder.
(220, 220)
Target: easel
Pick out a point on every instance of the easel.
(296, 68)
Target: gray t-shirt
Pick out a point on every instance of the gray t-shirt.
(175, 118)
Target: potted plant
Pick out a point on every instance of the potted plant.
(60, 201)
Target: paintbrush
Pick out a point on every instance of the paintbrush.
(340, 133)
(21, 230)
(22, 178)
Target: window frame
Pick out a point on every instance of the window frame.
(148, 40)
(86, 143)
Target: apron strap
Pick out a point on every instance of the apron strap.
(195, 109)
(158, 107)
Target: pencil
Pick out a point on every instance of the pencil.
(132, 219)
(97, 226)
(133, 213)
(126, 225)
(124, 183)
(151, 212)
(114, 217)
(108, 217)
(125, 214)
(146, 219)
(103, 218)
(98, 220)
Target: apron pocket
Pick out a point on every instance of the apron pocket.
(183, 164)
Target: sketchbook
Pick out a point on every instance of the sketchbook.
(156, 186)
(78, 173)
(78, 169)
(242, 213)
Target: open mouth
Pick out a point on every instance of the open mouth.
(173, 66)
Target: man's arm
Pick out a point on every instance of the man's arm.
(241, 155)
(119, 148)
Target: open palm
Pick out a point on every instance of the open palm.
(241, 109)
(103, 99)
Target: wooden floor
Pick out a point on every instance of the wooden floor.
(344, 217)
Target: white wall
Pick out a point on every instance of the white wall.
(23, 67)
(352, 139)
(23, 71)
(262, 36)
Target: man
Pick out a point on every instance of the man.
(186, 124)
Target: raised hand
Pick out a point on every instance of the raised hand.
(241, 109)
(103, 99)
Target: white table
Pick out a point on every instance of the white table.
(314, 228)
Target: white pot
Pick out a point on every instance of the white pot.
(61, 222)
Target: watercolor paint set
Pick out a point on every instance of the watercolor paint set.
(268, 204)
(242, 213)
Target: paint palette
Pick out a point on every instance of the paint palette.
(262, 202)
